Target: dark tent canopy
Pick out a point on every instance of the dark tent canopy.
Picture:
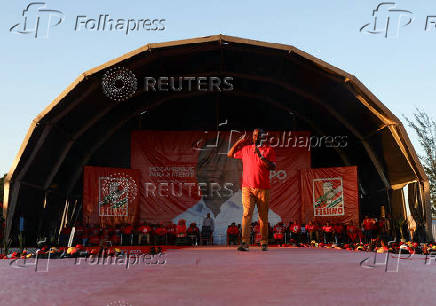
(275, 86)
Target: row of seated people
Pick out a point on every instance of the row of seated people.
(304, 233)
(330, 233)
(180, 234)
(144, 234)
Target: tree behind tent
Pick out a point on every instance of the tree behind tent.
(425, 128)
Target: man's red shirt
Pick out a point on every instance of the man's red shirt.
(380, 225)
(368, 224)
(327, 229)
(339, 228)
(255, 172)
(232, 230)
(115, 238)
(144, 229)
(94, 239)
(351, 229)
(171, 229)
(193, 230)
(160, 231)
(295, 228)
(278, 229)
(127, 230)
(181, 228)
(310, 228)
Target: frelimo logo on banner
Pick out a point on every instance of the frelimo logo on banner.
(115, 193)
(328, 197)
(38, 20)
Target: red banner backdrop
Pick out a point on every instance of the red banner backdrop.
(330, 195)
(110, 195)
(189, 170)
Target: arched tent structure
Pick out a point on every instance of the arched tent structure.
(275, 86)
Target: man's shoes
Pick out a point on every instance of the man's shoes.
(243, 247)
(264, 247)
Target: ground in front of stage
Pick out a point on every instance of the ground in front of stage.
(223, 276)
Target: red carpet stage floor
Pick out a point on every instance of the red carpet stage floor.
(222, 276)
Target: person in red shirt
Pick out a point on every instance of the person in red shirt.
(352, 232)
(369, 226)
(144, 230)
(279, 233)
(295, 231)
(328, 233)
(106, 233)
(339, 230)
(116, 236)
(193, 232)
(160, 233)
(383, 228)
(127, 234)
(310, 228)
(181, 229)
(181, 233)
(379, 226)
(258, 159)
(252, 233)
(171, 232)
(232, 234)
(257, 236)
(94, 235)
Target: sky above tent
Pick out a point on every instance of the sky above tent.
(396, 63)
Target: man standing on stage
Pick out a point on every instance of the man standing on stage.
(257, 161)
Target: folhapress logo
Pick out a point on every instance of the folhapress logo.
(38, 20)
(388, 20)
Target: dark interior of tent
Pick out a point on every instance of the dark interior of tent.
(273, 89)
